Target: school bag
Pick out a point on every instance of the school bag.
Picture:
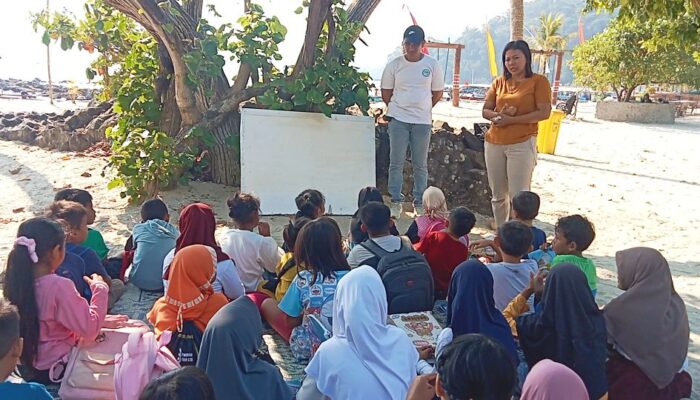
(142, 359)
(406, 276)
(185, 343)
(89, 367)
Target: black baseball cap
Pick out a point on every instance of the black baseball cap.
(414, 34)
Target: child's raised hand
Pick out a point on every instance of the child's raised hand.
(93, 278)
(422, 388)
(264, 229)
(537, 280)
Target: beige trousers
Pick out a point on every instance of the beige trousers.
(509, 168)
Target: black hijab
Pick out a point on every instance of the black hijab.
(569, 329)
(227, 356)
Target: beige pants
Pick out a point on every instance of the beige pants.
(509, 168)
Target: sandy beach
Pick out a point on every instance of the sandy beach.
(639, 185)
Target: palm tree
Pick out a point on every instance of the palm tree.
(517, 18)
(547, 38)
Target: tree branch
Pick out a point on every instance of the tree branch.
(318, 13)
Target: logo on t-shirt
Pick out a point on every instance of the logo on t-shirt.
(426, 72)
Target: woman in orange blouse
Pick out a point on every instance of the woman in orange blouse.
(515, 103)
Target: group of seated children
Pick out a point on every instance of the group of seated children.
(513, 327)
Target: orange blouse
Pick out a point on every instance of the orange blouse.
(524, 96)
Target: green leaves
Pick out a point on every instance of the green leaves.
(46, 39)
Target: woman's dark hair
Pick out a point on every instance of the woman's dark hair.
(18, 287)
(525, 48)
(70, 212)
(319, 248)
(181, 384)
(367, 194)
(476, 367)
(309, 202)
(241, 207)
(291, 231)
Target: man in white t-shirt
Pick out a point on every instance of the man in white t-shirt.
(411, 85)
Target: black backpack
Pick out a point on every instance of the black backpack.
(406, 276)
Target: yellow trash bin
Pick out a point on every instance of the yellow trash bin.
(548, 132)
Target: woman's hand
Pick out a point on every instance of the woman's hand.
(423, 388)
(509, 110)
(503, 119)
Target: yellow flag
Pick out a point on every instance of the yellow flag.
(493, 66)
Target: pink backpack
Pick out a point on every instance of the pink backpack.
(89, 371)
(143, 358)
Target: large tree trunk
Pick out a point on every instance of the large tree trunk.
(517, 18)
(213, 107)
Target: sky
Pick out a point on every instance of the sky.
(22, 55)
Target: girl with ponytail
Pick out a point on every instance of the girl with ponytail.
(53, 315)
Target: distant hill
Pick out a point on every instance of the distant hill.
(475, 58)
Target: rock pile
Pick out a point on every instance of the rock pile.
(70, 131)
(36, 88)
(456, 165)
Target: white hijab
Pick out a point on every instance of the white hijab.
(365, 358)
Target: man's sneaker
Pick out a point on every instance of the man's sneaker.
(396, 209)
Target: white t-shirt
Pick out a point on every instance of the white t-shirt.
(358, 254)
(252, 253)
(227, 280)
(413, 84)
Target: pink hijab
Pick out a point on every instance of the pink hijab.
(549, 380)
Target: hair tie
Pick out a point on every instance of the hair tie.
(30, 244)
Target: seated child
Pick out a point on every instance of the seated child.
(319, 248)
(10, 351)
(444, 250)
(94, 238)
(253, 253)
(287, 268)
(356, 235)
(198, 226)
(53, 314)
(512, 275)
(377, 222)
(311, 204)
(473, 366)
(434, 217)
(153, 238)
(572, 236)
(184, 383)
(525, 206)
(79, 260)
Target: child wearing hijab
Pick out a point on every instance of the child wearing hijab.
(434, 218)
(181, 384)
(568, 328)
(190, 295)
(365, 358)
(471, 308)
(228, 355)
(197, 226)
(652, 365)
(550, 380)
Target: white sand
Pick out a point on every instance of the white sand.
(639, 184)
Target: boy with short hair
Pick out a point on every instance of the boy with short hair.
(10, 351)
(444, 250)
(94, 239)
(572, 236)
(75, 218)
(153, 239)
(376, 221)
(512, 275)
(525, 207)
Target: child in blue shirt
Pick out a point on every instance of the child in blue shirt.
(75, 218)
(525, 208)
(10, 351)
(319, 248)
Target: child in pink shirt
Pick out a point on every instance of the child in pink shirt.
(53, 314)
